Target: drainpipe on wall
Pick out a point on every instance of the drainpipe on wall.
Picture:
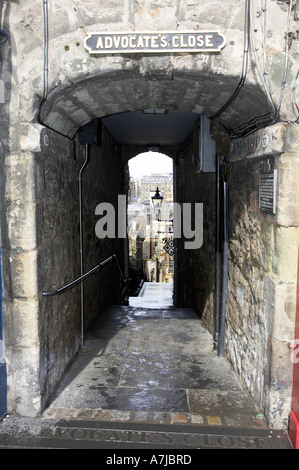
(175, 240)
(3, 374)
(224, 271)
(81, 239)
(218, 255)
(126, 240)
(294, 416)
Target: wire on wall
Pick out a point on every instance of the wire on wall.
(3, 37)
(272, 116)
(261, 121)
(244, 61)
(3, 34)
(294, 98)
(46, 49)
(264, 76)
(46, 65)
(285, 63)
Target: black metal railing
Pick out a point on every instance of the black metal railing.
(95, 270)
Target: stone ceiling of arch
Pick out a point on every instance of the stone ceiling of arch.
(70, 108)
(83, 87)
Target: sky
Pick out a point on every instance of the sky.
(148, 163)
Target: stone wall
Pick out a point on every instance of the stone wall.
(103, 180)
(196, 268)
(44, 255)
(261, 303)
(263, 271)
(57, 222)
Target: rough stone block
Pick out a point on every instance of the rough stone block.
(24, 323)
(285, 252)
(156, 18)
(279, 386)
(284, 311)
(30, 137)
(23, 274)
(20, 178)
(21, 225)
(24, 368)
(288, 208)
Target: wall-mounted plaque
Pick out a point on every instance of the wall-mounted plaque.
(267, 191)
(154, 42)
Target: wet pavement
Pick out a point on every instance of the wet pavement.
(150, 369)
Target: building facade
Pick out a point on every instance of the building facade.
(150, 183)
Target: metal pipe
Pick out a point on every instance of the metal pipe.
(175, 240)
(126, 239)
(81, 238)
(73, 284)
(83, 277)
(224, 271)
(218, 255)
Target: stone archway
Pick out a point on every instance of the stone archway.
(54, 87)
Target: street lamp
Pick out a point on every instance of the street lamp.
(157, 198)
(157, 202)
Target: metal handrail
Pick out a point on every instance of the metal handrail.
(82, 278)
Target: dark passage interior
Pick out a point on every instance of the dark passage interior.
(150, 359)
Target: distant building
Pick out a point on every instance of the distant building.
(150, 232)
(149, 184)
(134, 190)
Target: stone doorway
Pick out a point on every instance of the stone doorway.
(56, 88)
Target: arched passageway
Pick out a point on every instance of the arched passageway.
(84, 121)
(150, 219)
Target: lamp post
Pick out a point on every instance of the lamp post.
(157, 200)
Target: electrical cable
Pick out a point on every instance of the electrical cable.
(294, 100)
(265, 75)
(262, 121)
(3, 37)
(268, 118)
(265, 61)
(46, 49)
(46, 58)
(46, 67)
(244, 61)
(286, 62)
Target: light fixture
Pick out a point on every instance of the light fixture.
(157, 198)
(153, 148)
(155, 111)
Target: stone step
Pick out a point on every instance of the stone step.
(34, 433)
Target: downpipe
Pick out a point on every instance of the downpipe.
(224, 271)
(81, 238)
(218, 254)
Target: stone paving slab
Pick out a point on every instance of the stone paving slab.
(239, 420)
(145, 379)
(148, 366)
(156, 364)
(131, 373)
